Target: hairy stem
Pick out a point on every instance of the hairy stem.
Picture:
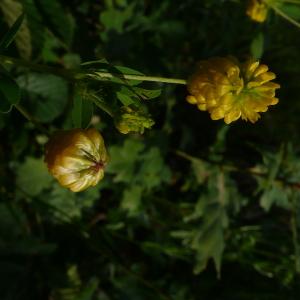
(107, 75)
(73, 75)
(69, 75)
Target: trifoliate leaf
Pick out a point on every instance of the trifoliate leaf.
(33, 176)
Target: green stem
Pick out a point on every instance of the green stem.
(107, 75)
(30, 118)
(74, 75)
(69, 75)
(24, 113)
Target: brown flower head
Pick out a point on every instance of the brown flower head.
(76, 158)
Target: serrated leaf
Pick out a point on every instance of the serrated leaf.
(68, 205)
(203, 233)
(153, 171)
(275, 195)
(33, 176)
(123, 159)
(10, 93)
(114, 19)
(48, 95)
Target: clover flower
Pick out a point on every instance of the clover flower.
(257, 10)
(232, 90)
(132, 120)
(76, 158)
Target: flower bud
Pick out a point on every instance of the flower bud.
(257, 10)
(132, 120)
(232, 90)
(76, 158)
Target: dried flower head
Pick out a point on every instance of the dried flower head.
(232, 90)
(132, 120)
(257, 10)
(76, 158)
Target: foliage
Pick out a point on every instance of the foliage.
(192, 209)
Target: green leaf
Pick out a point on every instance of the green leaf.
(123, 159)
(89, 290)
(125, 99)
(134, 95)
(127, 96)
(275, 195)
(257, 46)
(60, 22)
(13, 221)
(33, 176)
(292, 10)
(82, 110)
(35, 24)
(201, 170)
(147, 94)
(114, 19)
(12, 9)
(10, 93)
(131, 201)
(68, 205)
(10, 35)
(206, 240)
(48, 95)
(153, 171)
(203, 233)
(128, 71)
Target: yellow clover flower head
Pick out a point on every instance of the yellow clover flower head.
(257, 10)
(232, 90)
(76, 158)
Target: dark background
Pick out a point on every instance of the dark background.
(192, 209)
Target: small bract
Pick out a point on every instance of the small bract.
(76, 158)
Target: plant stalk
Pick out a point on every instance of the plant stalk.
(107, 75)
(30, 118)
(73, 75)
